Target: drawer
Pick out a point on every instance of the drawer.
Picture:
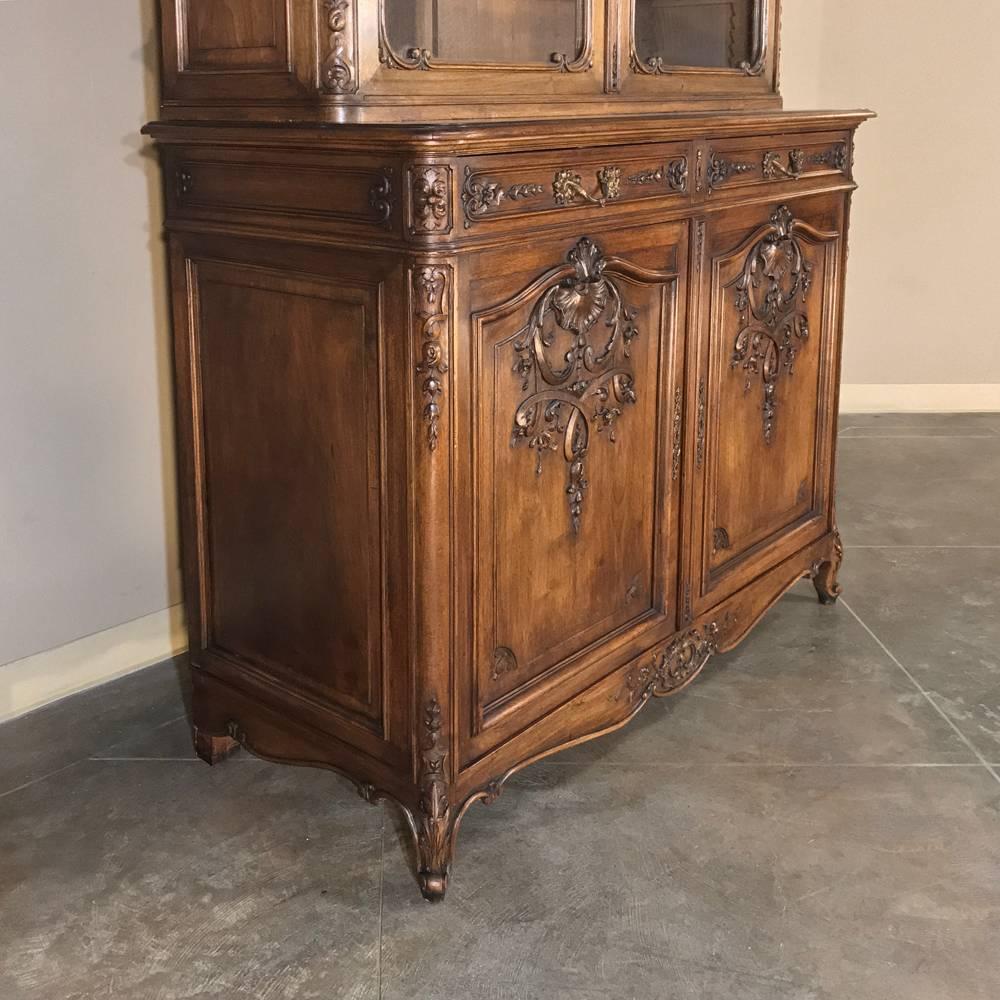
(510, 187)
(737, 164)
(319, 190)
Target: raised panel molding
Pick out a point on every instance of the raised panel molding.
(228, 36)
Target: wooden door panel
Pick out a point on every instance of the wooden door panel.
(576, 368)
(772, 325)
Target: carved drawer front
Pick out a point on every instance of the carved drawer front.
(303, 188)
(766, 393)
(728, 165)
(511, 187)
(576, 369)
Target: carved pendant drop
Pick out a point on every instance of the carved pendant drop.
(771, 294)
(575, 382)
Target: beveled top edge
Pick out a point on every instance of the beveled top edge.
(502, 136)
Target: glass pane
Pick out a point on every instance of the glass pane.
(485, 31)
(708, 33)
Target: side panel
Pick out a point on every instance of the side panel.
(767, 388)
(294, 544)
(238, 49)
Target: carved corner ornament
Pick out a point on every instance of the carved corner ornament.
(337, 73)
(432, 292)
(575, 382)
(771, 293)
(430, 199)
(504, 662)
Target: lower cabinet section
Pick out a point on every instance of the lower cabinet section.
(450, 507)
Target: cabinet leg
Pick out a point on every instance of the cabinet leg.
(826, 572)
(213, 749)
(435, 848)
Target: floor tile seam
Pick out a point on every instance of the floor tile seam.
(44, 777)
(746, 765)
(919, 437)
(155, 729)
(937, 708)
(381, 906)
(960, 548)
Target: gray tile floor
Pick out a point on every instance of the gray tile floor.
(818, 818)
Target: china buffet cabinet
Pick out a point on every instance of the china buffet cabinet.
(507, 357)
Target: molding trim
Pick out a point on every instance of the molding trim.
(37, 680)
(927, 398)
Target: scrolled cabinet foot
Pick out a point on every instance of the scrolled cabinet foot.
(213, 749)
(825, 573)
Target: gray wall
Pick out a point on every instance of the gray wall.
(87, 535)
(919, 308)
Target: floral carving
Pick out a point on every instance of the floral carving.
(770, 297)
(480, 196)
(431, 200)
(430, 288)
(677, 453)
(337, 71)
(721, 169)
(564, 375)
(835, 157)
(674, 668)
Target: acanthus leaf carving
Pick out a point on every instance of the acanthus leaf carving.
(771, 293)
(555, 414)
(434, 826)
(431, 293)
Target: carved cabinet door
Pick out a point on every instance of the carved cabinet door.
(574, 402)
(764, 407)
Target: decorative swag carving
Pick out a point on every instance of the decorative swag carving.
(770, 294)
(591, 374)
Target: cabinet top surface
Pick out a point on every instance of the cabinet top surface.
(504, 136)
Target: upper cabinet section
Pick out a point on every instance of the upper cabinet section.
(367, 60)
